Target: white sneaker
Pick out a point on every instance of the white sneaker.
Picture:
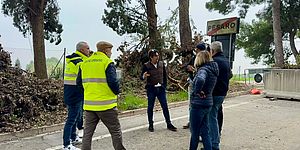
(71, 147)
(80, 133)
(78, 140)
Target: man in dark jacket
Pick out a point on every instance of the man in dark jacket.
(73, 96)
(219, 92)
(155, 73)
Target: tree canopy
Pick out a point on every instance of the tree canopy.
(257, 37)
(125, 16)
(40, 19)
(21, 11)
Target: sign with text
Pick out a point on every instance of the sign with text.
(223, 26)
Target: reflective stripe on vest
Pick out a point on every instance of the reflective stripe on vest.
(97, 80)
(97, 94)
(99, 102)
(70, 82)
(70, 75)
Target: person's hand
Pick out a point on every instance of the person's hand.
(146, 74)
(201, 94)
(190, 68)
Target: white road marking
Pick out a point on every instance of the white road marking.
(146, 125)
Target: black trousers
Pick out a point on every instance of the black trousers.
(220, 118)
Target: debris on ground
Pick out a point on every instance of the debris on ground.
(26, 101)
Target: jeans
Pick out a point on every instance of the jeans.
(160, 93)
(213, 121)
(110, 120)
(70, 125)
(80, 119)
(199, 127)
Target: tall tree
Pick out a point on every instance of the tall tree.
(126, 18)
(152, 24)
(290, 25)
(279, 61)
(184, 26)
(39, 17)
(258, 42)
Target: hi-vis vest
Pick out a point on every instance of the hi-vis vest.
(97, 94)
(72, 67)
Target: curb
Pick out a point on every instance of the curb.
(57, 127)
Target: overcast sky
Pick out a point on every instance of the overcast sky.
(81, 21)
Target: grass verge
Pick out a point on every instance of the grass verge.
(132, 101)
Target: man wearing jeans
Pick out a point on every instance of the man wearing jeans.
(73, 96)
(219, 92)
(155, 73)
(101, 87)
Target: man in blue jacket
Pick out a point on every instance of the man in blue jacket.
(73, 95)
(219, 92)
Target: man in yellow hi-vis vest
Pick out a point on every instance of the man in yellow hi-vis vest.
(73, 95)
(101, 88)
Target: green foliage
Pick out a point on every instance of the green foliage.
(125, 17)
(177, 96)
(227, 6)
(30, 67)
(51, 63)
(241, 77)
(257, 39)
(169, 30)
(20, 11)
(17, 63)
(132, 101)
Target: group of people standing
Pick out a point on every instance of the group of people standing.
(91, 84)
(209, 80)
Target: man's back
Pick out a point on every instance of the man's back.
(222, 84)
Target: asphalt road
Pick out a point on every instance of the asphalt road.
(250, 123)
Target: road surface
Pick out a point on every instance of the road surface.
(250, 123)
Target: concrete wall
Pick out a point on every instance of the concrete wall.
(285, 81)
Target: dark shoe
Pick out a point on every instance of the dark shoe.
(187, 126)
(151, 129)
(171, 127)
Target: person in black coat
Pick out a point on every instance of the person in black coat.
(219, 92)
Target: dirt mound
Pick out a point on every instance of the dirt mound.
(26, 101)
